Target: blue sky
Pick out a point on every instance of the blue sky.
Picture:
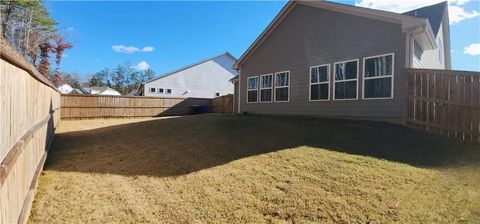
(168, 35)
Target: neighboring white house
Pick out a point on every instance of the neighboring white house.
(206, 79)
(65, 88)
(100, 90)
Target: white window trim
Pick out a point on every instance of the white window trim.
(318, 83)
(261, 88)
(379, 77)
(275, 84)
(158, 91)
(258, 85)
(346, 80)
(150, 90)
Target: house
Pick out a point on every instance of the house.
(65, 88)
(208, 78)
(326, 59)
(100, 90)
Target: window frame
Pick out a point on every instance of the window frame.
(346, 80)
(160, 92)
(379, 77)
(258, 85)
(318, 83)
(276, 87)
(150, 90)
(261, 88)
(168, 93)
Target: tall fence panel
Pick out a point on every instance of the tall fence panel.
(29, 113)
(445, 102)
(223, 104)
(97, 106)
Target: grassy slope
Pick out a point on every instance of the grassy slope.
(222, 168)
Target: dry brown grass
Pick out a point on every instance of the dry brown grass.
(237, 169)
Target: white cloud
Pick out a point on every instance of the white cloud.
(124, 49)
(456, 12)
(472, 49)
(141, 66)
(131, 49)
(148, 49)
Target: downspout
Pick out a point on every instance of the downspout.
(239, 88)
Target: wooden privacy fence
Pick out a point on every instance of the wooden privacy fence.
(96, 106)
(444, 102)
(29, 113)
(223, 104)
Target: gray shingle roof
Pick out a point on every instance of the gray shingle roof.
(434, 14)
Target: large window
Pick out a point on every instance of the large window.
(282, 83)
(319, 83)
(266, 85)
(378, 77)
(252, 89)
(345, 80)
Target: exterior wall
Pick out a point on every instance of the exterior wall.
(439, 58)
(433, 59)
(311, 36)
(203, 80)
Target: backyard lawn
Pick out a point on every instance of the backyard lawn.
(219, 168)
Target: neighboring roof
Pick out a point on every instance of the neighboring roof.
(100, 89)
(234, 79)
(434, 14)
(406, 21)
(192, 65)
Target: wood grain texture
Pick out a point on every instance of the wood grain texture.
(97, 106)
(29, 113)
(444, 102)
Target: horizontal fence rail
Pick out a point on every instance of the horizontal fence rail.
(29, 113)
(445, 102)
(99, 106)
(222, 104)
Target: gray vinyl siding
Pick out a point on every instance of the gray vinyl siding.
(311, 36)
(434, 58)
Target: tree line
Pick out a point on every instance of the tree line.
(124, 78)
(28, 26)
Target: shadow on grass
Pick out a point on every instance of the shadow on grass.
(176, 146)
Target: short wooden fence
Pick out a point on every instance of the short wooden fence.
(97, 106)
(222, 104)
(445, 102)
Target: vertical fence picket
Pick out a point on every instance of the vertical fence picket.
(444, 102)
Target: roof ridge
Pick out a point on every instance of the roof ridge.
(192, 65)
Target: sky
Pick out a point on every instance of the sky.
(165, 36)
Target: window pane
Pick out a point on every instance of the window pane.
(319, 74)
(281, 94)
(266, 95)
(378, 88)
(319, 92)
(252, 96)
(381, 66)
(346, 90)
(266, 81)
(252, 83)
(346, 70)
(281, 79)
